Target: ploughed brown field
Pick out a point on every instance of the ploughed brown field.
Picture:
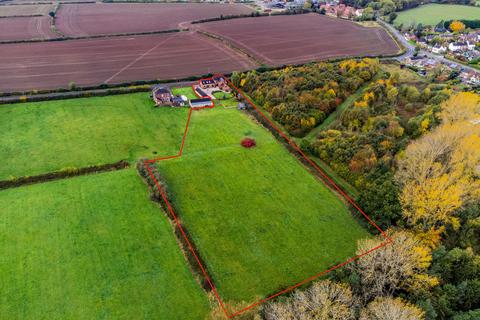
(117, 18)
(8, 10)
(25, 28)
(278, 40)
(50, 65)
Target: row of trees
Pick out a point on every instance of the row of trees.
(300, 98)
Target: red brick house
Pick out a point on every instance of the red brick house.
(162, 96)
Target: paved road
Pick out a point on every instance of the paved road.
(410, 49)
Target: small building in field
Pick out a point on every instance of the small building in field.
(201, 103)
(162, 96)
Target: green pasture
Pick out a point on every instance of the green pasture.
(41, 137)
(92, 247)
(260, 220)
(431, 14)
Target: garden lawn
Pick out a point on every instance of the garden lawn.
(225, 100)
(186, 91)
(92, 247)
(260, 220)
(41, 137)
(431, 14)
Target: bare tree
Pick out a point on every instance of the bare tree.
(400, 265)
(323, 300)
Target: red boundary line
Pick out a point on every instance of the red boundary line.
(313, 164)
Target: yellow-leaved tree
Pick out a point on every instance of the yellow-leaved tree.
(457, 26)
(392, 309)
(439, 173)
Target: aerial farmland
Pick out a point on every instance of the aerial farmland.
(203, 160)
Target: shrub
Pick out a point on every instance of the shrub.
(248, 143)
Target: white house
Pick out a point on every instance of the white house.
(461, 46)
(439, 49)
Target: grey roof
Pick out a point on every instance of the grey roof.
(161, 90)
(201, 92)
(202, 100)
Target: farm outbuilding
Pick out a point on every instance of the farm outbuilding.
(201, 103)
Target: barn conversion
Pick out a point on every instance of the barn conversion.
(201, 103)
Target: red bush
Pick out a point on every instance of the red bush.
(248, 143)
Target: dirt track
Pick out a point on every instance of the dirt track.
(51, 65)
(279, 40)
(108, 18)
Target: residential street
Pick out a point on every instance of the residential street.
(410, 49)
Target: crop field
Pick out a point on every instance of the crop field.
(41, 137)
(431, 14)
(25, 10)
(25, 28)
(302, 38)
(259, 219)
(92, 247)
(115, 18)
(114, 60)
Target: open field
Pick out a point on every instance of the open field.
(281, 40)
(25, 10)
(114, 60)
(25, 28)
(259, 219)
(431, 14)
(41, 137)
(92, 247)
(114, 18)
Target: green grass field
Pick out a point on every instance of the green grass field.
(259, 219)
(92, 247)
(431, 14)
(46, 136)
